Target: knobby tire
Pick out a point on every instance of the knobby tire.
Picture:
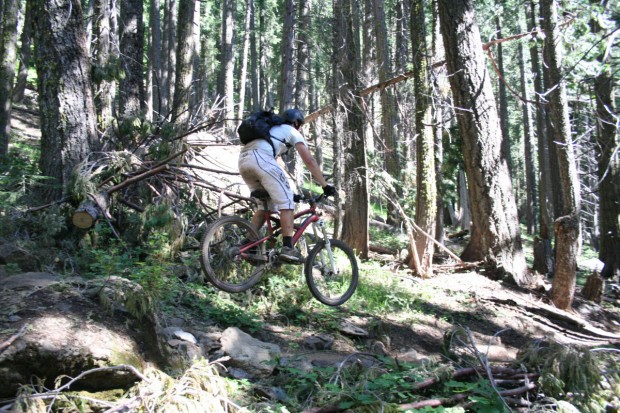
(331, 288)
(220, 258)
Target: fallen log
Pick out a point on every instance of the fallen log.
(87, 213)
(96, 205)
(381, 250)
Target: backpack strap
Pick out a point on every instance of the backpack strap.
(288, 145)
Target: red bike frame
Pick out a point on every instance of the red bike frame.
(272, 229)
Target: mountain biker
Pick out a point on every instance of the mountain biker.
(259, 169)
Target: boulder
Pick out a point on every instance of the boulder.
(49, 329)
(257, 358)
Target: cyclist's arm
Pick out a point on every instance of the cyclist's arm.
(310, 163)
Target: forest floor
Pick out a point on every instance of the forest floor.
(501, 319)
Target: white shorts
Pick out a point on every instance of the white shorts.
(261, 171)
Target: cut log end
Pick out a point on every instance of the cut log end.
(83, 219)
(85, 215)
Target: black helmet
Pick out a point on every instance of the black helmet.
(291, 116)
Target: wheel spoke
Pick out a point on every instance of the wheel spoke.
(222, 262)
(332, 279)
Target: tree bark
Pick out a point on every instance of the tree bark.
(155, 59)
(544, 181)
(426, 194)
(244, 58)
(503, 96)
(287, 49)
(464, 209)
(104, 87)
(567, 247)
(8, 56)
(25, 55)
(303, 56)
(227, 85)
(68, 133)
(563, 287)
(530, 188)
(609, 176)
(254, 58)
(168, 58)
(391, 157)
(131, 90)
(355, 221)
(495, 231)
(184, 66)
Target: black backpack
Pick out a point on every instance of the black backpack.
(257, 126)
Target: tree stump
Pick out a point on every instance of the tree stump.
(593, 289)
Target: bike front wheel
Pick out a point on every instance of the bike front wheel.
(221, 259)
(331, 272)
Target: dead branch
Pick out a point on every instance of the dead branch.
(40, 207)
(440, 245)
(203, 168)
(7, 343)
(138, 178)
(450, 401)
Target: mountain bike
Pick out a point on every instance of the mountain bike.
(234, 256)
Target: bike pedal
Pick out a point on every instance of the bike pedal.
(285, 260)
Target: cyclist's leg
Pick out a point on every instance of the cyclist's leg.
(258, 219)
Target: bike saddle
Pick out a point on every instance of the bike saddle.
(259, 194)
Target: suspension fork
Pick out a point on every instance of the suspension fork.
(320, 233)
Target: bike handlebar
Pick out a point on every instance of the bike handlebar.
(311, 200)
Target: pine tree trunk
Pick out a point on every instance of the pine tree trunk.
(8, 55)
(369, 73)
(131, 88)
(544, 192)
(563, 287)
(503, 96)
(440, 78)
(426, 194)
(566, 227)
(609, 176)
(196, 96)
(245, 51)
(287, 49)
(68, 133)
(464, 209)
(303, 57)
(227, 85)
(155, 51)
(495, 231)
(338, 137)
(25, 55)
(355, 224)
(392, 164)
(184, 66)
(256, 100)
(167, 53)
(104, 88)
(530, 190)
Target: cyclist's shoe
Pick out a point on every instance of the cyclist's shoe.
(291, 255)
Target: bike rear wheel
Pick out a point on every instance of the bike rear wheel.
(221, 259)
(331, 285)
